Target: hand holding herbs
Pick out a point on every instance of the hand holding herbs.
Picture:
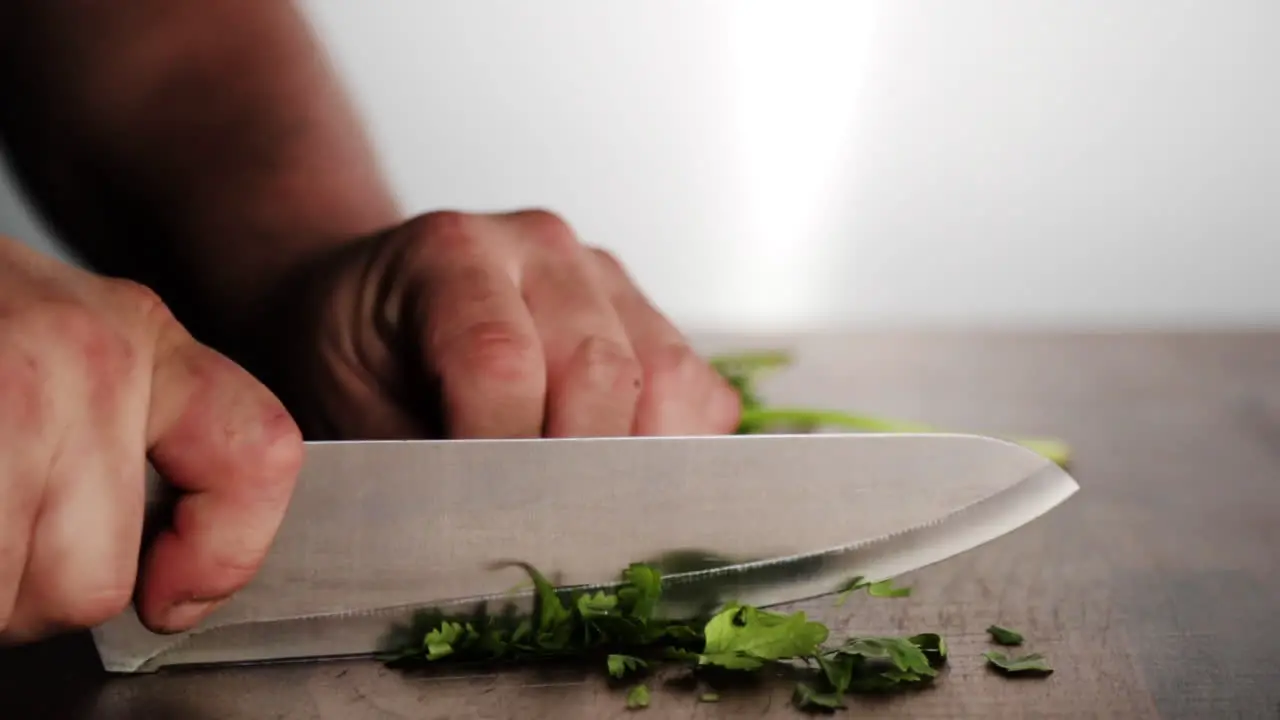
(620, 632)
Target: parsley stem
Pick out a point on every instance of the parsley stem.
(763, 416)
(756, 418)
(752, 360)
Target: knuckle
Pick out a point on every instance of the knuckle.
(274, 451)
(677, 373)
(263, 440)
(269, 445)
(280, 452)
(725, 408)
(443, 230)
(608, 363)
(675, 367)
(85, 332)
(549, 232)
(441, 222)
(138, 298)
(609, 262)
(497, 350)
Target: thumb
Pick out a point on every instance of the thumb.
(232, 452)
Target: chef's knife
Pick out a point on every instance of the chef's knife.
(377, 531)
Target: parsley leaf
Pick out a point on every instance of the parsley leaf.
(885, 589)
(933, 645)
(439, 642)
(904, 654)
(620, 628)
(744, 637)
(806, 697)
(553, 618)
(1031, 664)
(878, 664)
(620, 665)
(1004, 636)
(638, 697)
(849, 587)
(640, 595)
(882, 589)
(837, 669)
(598, 605)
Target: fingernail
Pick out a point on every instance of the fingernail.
(183, 615)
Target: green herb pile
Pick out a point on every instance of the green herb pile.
(620, 632)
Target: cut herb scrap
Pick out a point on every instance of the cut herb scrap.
(880, 589)
(744, 638)
(618, 629)
(439, 642)
(1004, 636)
(1032, 664)
(885, 589)
(871, 665)
(806, 697)
(933, 645)
(848, 588)
(638, 697)
(909, 662)
(620, 665)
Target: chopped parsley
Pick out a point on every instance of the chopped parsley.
(1030, 664)
(619, 631)
(1004, 636)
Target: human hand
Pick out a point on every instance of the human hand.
(484, 326)
(95, 377)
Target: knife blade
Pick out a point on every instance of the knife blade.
(378, 531)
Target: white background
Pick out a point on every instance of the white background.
(798, 163)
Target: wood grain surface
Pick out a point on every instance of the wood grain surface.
(1155, 591)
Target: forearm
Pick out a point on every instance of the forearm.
(202, 148)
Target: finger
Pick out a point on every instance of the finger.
(83, 552)
(227, 443)
(682, 394)
(20, 483)
(18, 505)
(593, 376)
(477, 337)
(81, 559)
